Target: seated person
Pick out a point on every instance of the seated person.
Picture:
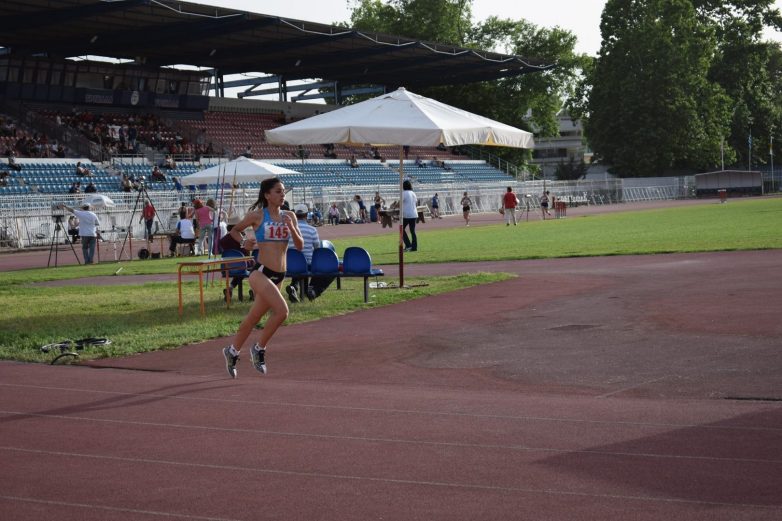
(125, 184)
(353, 162)
(177, 184)
(315, 286)
(169, 163)
(436, 163)
(333, 214)
(82, 171)
(328, 151)
(316, 216)
(75, 188)
(157, 175)
(91, 188)
(419, 163)
(12, 164)
(184, 234)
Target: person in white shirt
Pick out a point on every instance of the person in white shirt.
(409, 216)
(88, 230)
(185, 234)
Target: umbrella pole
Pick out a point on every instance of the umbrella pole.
(401, 221)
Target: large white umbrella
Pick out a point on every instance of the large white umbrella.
(240, 170)
(400, 118)
(98, 201)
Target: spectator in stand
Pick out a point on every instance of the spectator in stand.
(82, 171)
(419, 163)
(91, 188)
(169, 162)
(353, 162)
(88, 230)
(177, 184)
(248, 152)
(75, 188)
(406, 150)
(12, 164)
(125, 184)
(148, 218)
(157, 175)
(60, 152)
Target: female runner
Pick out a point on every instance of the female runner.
(272, 227)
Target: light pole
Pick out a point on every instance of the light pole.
(771, 156)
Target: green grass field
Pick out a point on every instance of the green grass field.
(144, 317)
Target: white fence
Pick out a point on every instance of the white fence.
(30, 220)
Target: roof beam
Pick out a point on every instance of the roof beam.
(40, 19)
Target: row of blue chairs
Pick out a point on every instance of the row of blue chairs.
(355, 263)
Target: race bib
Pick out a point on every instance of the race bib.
(273, 231)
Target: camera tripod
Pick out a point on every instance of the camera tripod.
(143, 195)
(53, 246)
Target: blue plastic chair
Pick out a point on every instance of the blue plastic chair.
(324, 261)
(296, 263)
(235, 270)
(296, 267)
(357, 262)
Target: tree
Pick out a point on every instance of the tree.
(651, 107)
(676, 79)
(571, 170)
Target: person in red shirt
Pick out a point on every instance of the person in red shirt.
(148, 216)
(509, 203)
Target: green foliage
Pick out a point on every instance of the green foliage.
(145, 317)
(747, 224)
(571, 170)
(675, 79)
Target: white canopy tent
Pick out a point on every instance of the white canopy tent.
(400, 118)
(240, 170)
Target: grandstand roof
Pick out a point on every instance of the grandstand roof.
(165, 32)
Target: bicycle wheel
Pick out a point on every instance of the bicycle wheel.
(66, 357)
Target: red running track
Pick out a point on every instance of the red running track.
(621, 388)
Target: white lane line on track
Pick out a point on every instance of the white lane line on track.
(466, 486)
(745, 408)
(400, 441)
(112, 509)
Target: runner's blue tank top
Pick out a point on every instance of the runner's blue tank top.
(271, 231)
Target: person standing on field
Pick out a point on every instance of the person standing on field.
(509, 203)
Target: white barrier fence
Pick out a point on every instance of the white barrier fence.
(31, 220)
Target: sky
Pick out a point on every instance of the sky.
(582, 17)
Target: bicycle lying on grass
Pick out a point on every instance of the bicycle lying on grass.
(67, 349)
